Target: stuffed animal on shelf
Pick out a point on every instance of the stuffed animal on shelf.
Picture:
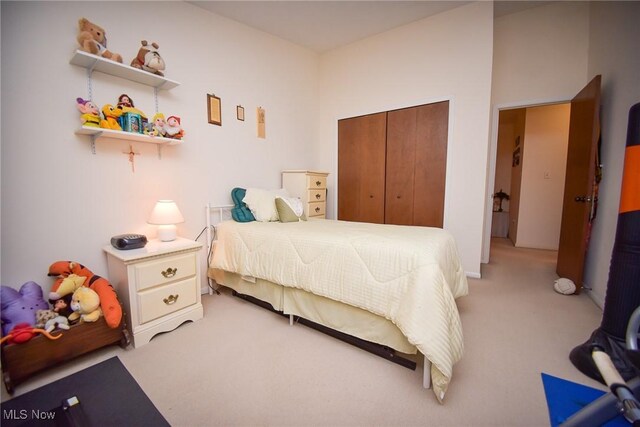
(158, 125)
(109, 303)
(23, 332)
(148, 59)
(125, 101)
(93, 39)
(20, 306)
(90, 115)
(173, 128)
(85, 304)
(111, 115)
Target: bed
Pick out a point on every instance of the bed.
(391, 285)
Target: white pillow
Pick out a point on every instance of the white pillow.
(262, 203)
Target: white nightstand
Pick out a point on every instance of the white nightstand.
(159, 285)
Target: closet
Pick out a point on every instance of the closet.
(392, 166)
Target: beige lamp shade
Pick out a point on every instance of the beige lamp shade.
(166, 214)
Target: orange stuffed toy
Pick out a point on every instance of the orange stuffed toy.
(109, 303)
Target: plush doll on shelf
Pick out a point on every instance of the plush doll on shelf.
(93, 39)
(111, 115)
(85, 304)
(108, 298)
(158, 125)
(125, 101)
(173, 128)
(17, 307)
(90, 115)
(148, 59)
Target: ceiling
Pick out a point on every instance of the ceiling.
(326, 25)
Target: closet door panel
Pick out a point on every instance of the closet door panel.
(401, 156)
(430, 164)
(361, 168)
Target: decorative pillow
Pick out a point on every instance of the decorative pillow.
(262, 203)
(240, 212)
(290, 209)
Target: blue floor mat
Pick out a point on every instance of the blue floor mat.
(565, 398)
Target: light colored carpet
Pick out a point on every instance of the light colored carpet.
(242, 365)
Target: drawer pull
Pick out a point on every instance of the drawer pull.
(318, 196)
(169, 272)
(171, 299)
(317, 209)
(318, 183)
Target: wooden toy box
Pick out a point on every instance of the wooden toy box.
(21, 361)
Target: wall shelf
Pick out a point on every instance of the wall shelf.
(97, 134)
(97, 63)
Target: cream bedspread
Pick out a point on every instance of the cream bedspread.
(409, 275)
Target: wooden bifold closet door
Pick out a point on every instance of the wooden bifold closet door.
(392, 166)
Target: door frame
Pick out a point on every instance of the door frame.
(491, 167)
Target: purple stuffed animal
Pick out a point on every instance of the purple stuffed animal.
(20, 306)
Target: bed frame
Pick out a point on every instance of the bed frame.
(219, 213)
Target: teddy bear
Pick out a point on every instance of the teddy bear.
(85, 304)
(111, 115)
(92, 39)
(148, 59)
(20, 306)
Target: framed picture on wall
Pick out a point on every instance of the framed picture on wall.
(240, 112)
(214, 110)
(516, 157)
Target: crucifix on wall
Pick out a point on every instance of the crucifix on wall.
(132, 155)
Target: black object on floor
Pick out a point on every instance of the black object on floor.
(106, 393)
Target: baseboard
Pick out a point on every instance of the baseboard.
(473, 275)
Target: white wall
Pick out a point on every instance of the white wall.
(614, 46)
(544, 163)
(540, 56)
(447, 56)
(60, 202)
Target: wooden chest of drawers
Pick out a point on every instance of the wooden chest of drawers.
(158, 284)
(310, 187)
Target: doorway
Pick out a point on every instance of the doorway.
(530, 170)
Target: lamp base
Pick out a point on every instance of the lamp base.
(167, 233)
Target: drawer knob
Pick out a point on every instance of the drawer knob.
(171, 299)
(318, 196)
(169, 272)
(318, 183)
(317, 209)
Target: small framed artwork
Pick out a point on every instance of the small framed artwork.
(240, 112)
(260, 113)
(214, 110)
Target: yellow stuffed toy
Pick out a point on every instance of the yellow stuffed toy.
(85, 304)
(111, 115)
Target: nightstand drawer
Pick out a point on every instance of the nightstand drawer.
(158, 302)
(316, 195)
(317, 209)
(316, 181)
(165, 270)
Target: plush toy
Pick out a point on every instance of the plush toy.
(111, 115)
(125, 101)
(20, 306)
(65, 286)
(90, 114)
(85, 304)
(111, 308)
(50, 320)
(23, 332)
(93, 39)
(62, 305)
(158, 125)
(173, 128)
(148, 59)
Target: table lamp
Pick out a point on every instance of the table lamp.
(166, 214)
